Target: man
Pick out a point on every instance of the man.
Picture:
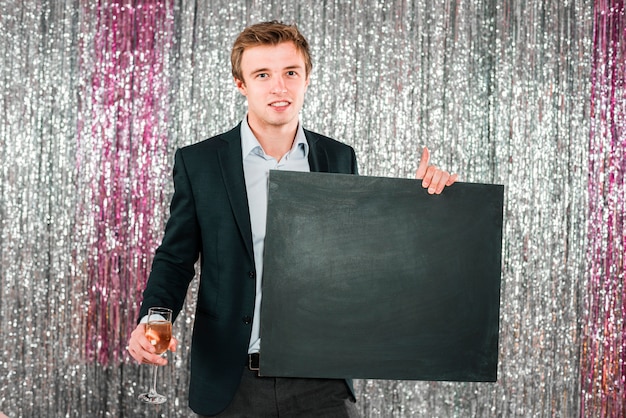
(218, 214)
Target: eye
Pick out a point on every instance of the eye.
(292, 73)
(262, 75)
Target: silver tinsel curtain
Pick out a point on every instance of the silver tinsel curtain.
(97, 95)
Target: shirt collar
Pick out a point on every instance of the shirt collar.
(249, 143)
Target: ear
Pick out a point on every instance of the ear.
(241, 86)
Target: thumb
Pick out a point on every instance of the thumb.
(423, 165)
(173, 344)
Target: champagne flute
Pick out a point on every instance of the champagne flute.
(159, 333)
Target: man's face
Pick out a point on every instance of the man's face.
(274, 82)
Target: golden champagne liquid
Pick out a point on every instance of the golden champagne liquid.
(159, 333)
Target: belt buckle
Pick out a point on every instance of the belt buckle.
(253, 362)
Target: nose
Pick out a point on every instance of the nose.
(279, 86)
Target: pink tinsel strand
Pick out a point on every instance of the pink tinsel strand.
(128, 87)
(603, 356)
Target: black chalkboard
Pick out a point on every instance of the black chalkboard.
(369, 277)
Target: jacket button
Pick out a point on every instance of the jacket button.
(251, 274)
(247, 320)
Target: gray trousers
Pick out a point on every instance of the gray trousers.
(265, 397)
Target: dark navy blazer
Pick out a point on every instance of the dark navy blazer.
(209, 218)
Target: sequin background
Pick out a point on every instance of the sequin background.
(96, 96)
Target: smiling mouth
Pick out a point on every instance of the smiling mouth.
(279, 104)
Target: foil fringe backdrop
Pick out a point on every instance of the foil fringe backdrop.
(122, 153)
(603, 358)
(500, 92)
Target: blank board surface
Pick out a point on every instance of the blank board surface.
(370, 277)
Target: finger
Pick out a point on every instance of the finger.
(134, 346)
(438, 182)
(142, 344)
(443, 180)
(423, 165)
(439, 177)
(428, 177)
(136, 352)
(141, 349)
(156, 359)
(145, 357)
(139, 335)
(173, 344)
(159, 361)
(148, 354)
(452, 180)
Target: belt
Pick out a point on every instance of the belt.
(253, 362)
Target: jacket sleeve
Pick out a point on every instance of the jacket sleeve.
(174, 261)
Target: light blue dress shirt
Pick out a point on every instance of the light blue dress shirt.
(256, 169)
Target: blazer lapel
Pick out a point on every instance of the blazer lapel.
(318, 160)
(231, 164)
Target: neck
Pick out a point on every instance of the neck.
(275, 140)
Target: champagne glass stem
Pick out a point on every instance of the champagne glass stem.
(153, 390)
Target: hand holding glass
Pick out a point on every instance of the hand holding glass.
(159, 333)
